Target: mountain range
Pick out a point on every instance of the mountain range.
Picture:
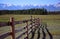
(55, 7)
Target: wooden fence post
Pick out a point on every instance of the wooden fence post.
(12, 28)
(31, 17)
(31, 20)
(27, 30)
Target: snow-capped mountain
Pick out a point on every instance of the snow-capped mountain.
(55, 7)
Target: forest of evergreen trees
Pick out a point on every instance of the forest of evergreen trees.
(29, 12)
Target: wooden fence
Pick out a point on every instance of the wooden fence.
(12, 23)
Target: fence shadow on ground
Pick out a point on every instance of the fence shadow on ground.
(43, 27)
(37, 26)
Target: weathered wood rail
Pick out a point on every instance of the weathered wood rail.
(12, 23)
(35, 24)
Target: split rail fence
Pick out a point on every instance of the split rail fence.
(12, 23)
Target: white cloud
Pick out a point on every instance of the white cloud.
(57, 5)
(9, 5)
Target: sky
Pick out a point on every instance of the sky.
(29, 2)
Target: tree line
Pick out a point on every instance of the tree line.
(28, 11)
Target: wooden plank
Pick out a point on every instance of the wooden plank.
(21, 35)
(19, 30)
(20, 22)
(3, 24)
(5, 35)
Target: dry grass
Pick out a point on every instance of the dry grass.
(53, 22)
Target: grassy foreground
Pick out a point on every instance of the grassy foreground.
(53, 22)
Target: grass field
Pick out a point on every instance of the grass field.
(53, 22)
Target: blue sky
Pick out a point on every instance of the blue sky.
(32, 2)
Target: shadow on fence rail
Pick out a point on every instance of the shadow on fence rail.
(33, 26)
(12, 23)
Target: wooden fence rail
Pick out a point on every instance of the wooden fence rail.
(12, 23)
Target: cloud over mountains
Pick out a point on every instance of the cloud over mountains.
(49, 7)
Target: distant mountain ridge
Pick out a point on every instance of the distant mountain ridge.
(55, 7)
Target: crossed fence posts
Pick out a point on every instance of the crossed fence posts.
(42, 26)
(12, 23)
(35, 24)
